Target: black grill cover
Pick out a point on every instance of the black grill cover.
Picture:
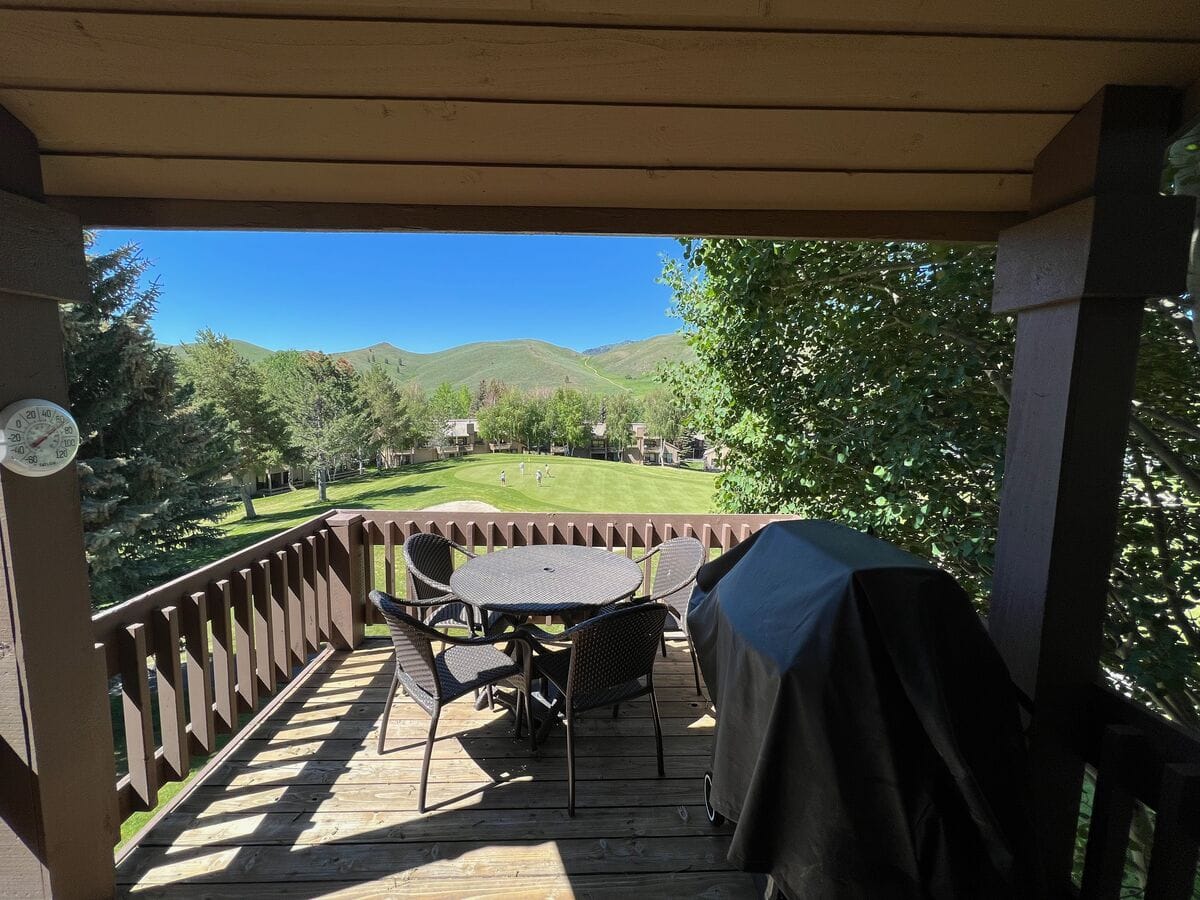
(868, 741)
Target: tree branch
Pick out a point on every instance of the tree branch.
(1165, 454)
(1181, 425)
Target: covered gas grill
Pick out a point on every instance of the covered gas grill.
(868, 740)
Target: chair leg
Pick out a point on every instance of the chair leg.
(695, 666)
(570, 766)
(616, 710)
(433, 720)
(657, 733)
(664, 644)
(533, 731)
(387, 712)
(520, 711)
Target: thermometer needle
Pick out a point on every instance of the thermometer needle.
(39, 441)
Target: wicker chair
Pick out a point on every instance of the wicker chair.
(678, 561)
(610, 660)
(430, 562)
(433, 680)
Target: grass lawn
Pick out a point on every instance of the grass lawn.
(574, 485)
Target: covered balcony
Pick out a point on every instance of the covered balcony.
(1039, 125)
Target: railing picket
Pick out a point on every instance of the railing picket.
(389, 558)
(726, 537)
(245, 617)
(628, 538)
(469, 535)
(510, 535)
(138, 718)
(312, 595)
(1173, 856)
(491, 536)
(746, 531)
(281, 637)
(323, 594)
(590, 538)
(708, 535)
(368, 551)
(610, 535)
(264, 626)
(295, 589)
(530, 534)
(1112, 814)
(223, 658)
(199, 673)
(172, 704)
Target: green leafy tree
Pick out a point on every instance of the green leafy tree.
(869, 383)
(415, 406)
(445, 403)
(503, 420)
(620, 412)
(389, 416)
(535, 421)
(664, 415)
(566, 418)
(237, 390)
(152, 459)
(318, 396)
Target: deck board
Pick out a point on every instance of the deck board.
(304, 806)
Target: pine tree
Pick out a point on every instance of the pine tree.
(151, 460)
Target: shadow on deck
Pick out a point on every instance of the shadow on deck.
(303, 806)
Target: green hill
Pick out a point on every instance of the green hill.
(526, 364)
(637, 358)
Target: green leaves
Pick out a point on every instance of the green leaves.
(867, 383)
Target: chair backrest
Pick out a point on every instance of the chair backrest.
(615, 648)
(413, 641)
(430, 561)
(678, 561)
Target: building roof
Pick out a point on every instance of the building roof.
(919, 118)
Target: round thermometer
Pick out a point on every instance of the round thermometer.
(37, 437)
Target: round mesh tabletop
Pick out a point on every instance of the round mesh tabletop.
(546, 579)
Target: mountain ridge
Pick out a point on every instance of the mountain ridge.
(525, 363)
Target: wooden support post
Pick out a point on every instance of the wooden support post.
(1076, 277)
(347, 580)
(58, 808)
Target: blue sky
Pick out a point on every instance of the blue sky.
(421, 292)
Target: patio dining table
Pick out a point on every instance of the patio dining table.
(542, 580)
(563, 580)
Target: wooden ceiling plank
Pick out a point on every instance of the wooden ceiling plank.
(528, 186)
(125, 212)
(1110, 18)
(370, 59)
(548, 134)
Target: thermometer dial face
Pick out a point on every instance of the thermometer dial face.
(37, 437)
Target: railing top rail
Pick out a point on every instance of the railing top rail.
(1161, 742)
(108, 622)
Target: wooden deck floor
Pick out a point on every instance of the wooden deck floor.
(305, 807)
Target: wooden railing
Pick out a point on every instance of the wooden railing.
(1139, 757)
(226, 637)
(246, 623)
(222, 637)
